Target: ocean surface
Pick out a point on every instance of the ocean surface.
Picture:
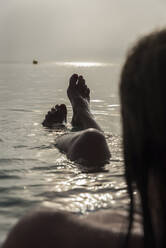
(32, 170)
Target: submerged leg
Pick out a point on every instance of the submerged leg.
(88, 147)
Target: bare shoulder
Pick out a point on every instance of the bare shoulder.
(47, 228)
(116, 223)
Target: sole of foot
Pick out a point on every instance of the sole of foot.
(78, 88)
(57, 116)
(79, 96)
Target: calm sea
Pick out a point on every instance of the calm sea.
(32, 171)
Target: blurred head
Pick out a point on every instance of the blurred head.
(143, 100)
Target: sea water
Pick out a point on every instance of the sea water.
(32, 170)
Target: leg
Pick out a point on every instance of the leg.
(79, 96)
(88, 146)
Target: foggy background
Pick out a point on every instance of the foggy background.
(75, 30)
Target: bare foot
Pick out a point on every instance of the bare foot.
(57, 115)
(79, 96)
(77, 88)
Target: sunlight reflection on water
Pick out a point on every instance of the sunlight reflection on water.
(85, 64)
(32, 171)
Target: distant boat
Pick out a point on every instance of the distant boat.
(35, 62)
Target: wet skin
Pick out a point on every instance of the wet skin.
(89, 145)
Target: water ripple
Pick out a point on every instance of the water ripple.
(13, 160)
(20, 146)
(31, 170)
(43, 147)
(13, 201)
(19, 110)
(7, 176)
(9, 189)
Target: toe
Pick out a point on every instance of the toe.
(73, 80)
(88, 92)
(81, 81)
(63, 112)
(53, 110)
(57, 106)
(63, 108)
(81, 85)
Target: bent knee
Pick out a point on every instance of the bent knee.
(90, 146)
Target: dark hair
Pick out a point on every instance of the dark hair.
(143, 101)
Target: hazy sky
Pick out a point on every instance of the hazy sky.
(79, 30)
